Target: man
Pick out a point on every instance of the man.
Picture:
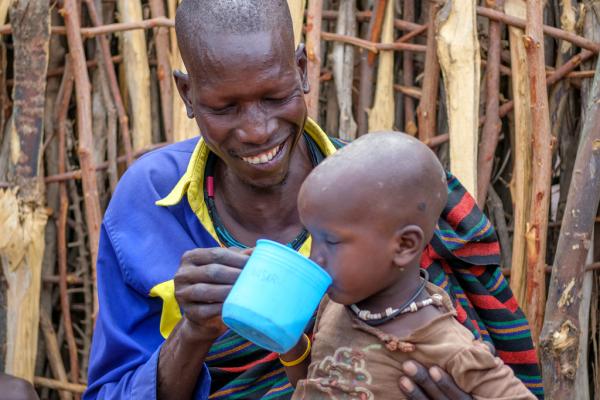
(166, 263)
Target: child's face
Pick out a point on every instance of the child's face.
(357, 251)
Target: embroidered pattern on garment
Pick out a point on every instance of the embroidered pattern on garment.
(344, 375)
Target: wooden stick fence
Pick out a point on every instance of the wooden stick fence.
(350, 48)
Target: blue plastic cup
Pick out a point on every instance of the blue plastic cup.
(275, 296)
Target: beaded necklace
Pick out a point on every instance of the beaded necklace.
(226, 238)
(411, 305)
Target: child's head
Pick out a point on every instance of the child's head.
(371, 209)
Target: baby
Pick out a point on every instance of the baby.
(371, 209)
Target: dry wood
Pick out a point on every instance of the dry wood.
(372, 46)
(297, 12)
(137, 74)
(53, 353)
(381, 116)
(493, 124)
(426, 111)
(458, 52)
(58, 385)
(64, 98)
(313, 51)
(537, 226)
(343, 69)
(84, 126)
(22, 213)
(410, 123)
(367, 61)
(163, 70)
(521, 176)
(183, 127)
(562, 328)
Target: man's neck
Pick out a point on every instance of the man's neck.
(250, 213)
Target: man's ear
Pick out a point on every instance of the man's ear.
(408, 244)
(182, 80)
(302, 64)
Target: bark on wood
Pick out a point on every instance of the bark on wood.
(313, 51)
(426, 111)
(297, 12)
(53, 353)
(561, 335)
(164, 73)
(537, 227)
(343, 69)
(22, 212)
(521, 177)
(84, 127)
(137, 74)
(183, 127)
(458, 52)
(367, 61)
(493, 124)
(58, 385)
(381, 116)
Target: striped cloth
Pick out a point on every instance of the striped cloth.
(463, 258)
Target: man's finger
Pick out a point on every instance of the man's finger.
(203, 293)
(445, 383)
(215, 255)
(410, 390)
(420, 376)
(211, 273)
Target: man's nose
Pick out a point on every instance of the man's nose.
(254, 127)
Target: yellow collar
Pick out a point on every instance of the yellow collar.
(192, 182)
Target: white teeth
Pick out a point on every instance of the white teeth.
(262, 158)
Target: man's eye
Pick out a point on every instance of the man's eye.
(278, 100)
(222, 110)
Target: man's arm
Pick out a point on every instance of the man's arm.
(127, 341)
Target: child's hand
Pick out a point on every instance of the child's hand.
(421, 384)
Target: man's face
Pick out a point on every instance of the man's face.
(247, 96)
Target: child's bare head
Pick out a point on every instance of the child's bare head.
(370, 207)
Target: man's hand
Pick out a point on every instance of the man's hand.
(202, 282)
(421, 384)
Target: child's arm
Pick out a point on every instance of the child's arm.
(297, 360)
(484, 376)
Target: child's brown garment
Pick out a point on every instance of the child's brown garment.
(352, 360)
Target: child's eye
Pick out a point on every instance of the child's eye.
(332, 242)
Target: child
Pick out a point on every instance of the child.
(371, 208)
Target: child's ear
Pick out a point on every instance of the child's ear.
(408, 244)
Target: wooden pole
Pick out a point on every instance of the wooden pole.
(410, 123)
(164, 73)
(343, 69)
(381, 116)
(493, 124)
(84, 128)
(367, 66)
(22, 213)
(560, 338)
(458, 52)
(137, 74)
(107, 64)
(53, 351)
(297, 13)
(520, 185)
(58, 385)
(537, 227)
(313, 50)
(427, 109)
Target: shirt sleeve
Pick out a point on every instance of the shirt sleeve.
(127, 341)
(477, 372)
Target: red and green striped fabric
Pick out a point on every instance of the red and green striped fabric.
(463, 258)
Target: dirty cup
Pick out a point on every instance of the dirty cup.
(275, 296)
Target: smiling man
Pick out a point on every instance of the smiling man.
(170, 239)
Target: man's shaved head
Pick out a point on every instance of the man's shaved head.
(197, 21)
